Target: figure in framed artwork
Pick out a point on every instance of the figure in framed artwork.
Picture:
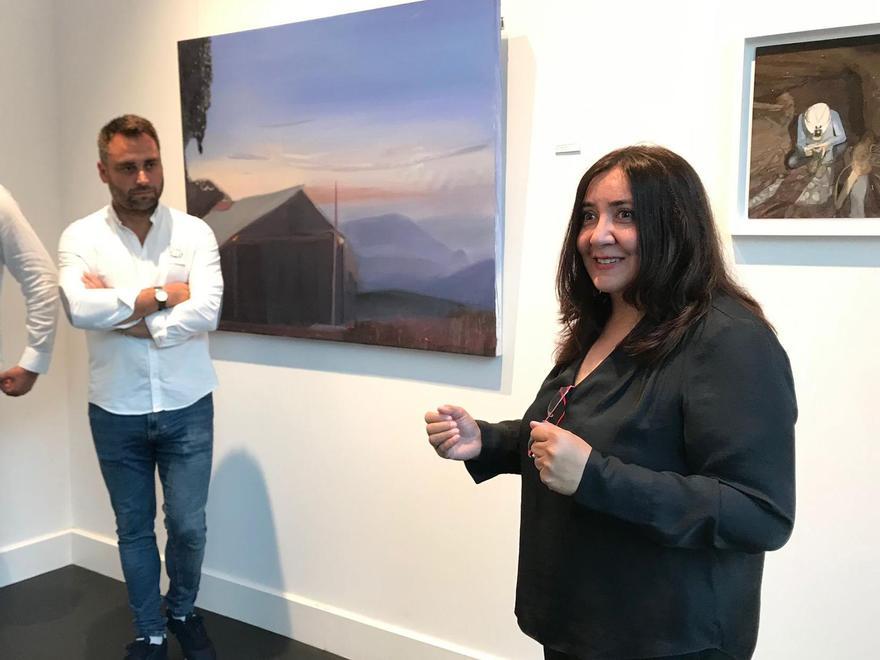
(814, 117)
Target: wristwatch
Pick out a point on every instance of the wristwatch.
(161, 297)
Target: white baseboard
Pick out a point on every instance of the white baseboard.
(323, 626)
(33, 557)
(316, 624)
(95, 552)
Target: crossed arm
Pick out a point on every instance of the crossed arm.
(90, 302)
(144, 304)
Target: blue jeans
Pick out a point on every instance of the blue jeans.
(130, 447)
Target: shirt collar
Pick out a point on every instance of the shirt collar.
(155, 218)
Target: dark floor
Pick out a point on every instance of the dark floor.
(75, 614)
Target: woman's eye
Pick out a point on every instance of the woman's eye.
(625, 215)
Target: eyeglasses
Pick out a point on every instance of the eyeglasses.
(555, 410)
(556, 407)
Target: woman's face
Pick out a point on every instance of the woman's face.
(608, 240)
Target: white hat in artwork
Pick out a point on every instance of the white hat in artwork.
(817, 117)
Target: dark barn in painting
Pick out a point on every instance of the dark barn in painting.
(284, 263)
(406, 252)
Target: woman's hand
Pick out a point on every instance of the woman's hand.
(453, 433)
(560, 456)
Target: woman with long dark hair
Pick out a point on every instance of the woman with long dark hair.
(657, 461)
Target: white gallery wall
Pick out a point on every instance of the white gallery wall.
(34, 442)
(330, 519)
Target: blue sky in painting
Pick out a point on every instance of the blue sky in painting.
(401, 102)
(384, 65)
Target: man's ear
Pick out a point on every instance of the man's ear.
(102, 172)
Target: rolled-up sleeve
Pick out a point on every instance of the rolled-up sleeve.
(739, 411)
(201, 313)
(32, 267)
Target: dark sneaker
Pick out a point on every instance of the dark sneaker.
(141, 649)
(193, 638)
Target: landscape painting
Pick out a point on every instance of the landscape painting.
(350, 168)
(815, 130)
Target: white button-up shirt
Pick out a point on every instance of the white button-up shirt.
(30, 264)
(129, 375)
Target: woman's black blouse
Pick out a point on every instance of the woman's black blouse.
(660, 550)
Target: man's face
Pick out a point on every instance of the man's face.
(133, 172)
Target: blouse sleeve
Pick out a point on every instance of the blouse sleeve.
(499, 454)
(739, 410)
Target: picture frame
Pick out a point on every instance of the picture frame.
(810, 134)
(351, 170)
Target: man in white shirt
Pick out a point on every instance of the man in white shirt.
(30, 264)
(143, 280)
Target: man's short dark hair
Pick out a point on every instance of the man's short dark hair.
(130, 126)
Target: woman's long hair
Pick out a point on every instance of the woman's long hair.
(681, 267)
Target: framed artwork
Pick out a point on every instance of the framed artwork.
(350, 168)
(811, 121)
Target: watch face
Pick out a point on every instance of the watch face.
(161, 295)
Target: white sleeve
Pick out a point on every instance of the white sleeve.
(89, 309)
(33, 269)
(201, 313)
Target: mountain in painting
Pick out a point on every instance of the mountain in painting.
(472, 233)
(473, 286)
(395, 253)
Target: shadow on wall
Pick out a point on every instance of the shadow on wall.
(359, 359)
(242, 540)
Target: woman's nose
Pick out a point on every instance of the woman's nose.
(602, 234)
